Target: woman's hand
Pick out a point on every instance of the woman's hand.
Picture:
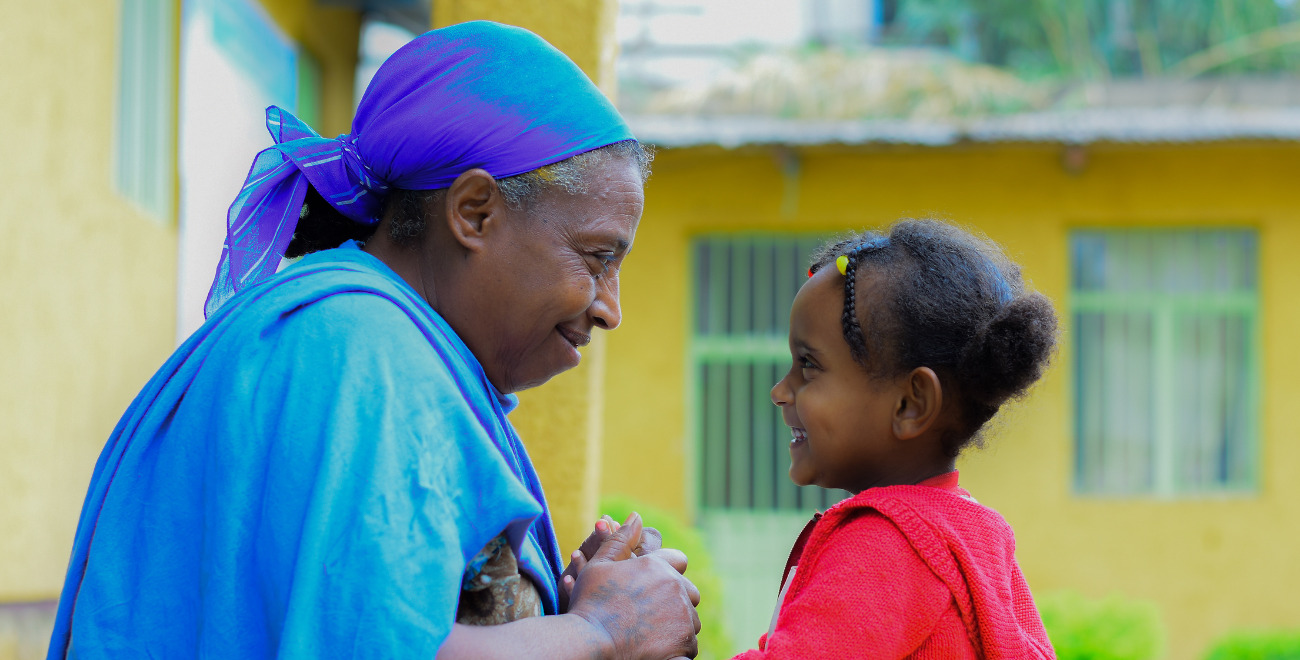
(623, 606)
(643, 604)
(605, 528)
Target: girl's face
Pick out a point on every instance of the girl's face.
(840, 417)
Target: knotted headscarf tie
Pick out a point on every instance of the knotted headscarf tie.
(474, 95)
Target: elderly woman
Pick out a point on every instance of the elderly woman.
(326, 469)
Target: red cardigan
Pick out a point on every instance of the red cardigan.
(918, 571)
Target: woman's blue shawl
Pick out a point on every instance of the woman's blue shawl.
(307, 476)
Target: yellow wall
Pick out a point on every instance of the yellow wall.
(583, 29)
(1210, 563)
(88, 281)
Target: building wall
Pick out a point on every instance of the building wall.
(88, 281)
(1210, 563)
(583, 29)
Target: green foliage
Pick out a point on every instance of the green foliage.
(1257, 645)
(1094, 39)
(1108, 629)
(715, 644)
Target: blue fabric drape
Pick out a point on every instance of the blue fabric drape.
(306, 477)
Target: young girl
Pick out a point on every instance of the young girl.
(904, 346)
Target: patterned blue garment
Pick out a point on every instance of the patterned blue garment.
(306, 477)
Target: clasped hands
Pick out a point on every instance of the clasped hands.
(625, 583)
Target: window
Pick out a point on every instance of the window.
(145, 137)
(744, 288)
(1165, 329)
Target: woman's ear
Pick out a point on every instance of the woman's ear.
(921, 402)
(473, 206)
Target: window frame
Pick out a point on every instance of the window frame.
(145, 138)
(1166, 311)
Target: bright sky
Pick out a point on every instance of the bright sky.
(685, 41)
(698, 25)
(713, 22)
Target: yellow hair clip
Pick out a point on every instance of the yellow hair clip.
(842, 263)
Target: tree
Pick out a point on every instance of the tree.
(1094, 39)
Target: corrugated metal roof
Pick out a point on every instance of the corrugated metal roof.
(1087, 126)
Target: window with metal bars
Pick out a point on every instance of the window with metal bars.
(744, 286)
(145, 138)
(1165, 360)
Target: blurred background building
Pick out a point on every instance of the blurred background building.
(1137, 157)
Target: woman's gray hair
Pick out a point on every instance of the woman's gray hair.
(570, 174)
(522, 190)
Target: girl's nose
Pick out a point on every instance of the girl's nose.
(781, 392)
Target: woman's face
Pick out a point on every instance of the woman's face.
(556, 277)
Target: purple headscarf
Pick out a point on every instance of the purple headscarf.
(477, 94)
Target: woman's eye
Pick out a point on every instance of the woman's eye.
(604, 260)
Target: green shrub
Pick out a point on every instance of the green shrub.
(1108, 629)
(715, 644)
(1257, 645)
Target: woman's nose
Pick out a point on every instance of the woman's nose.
(605, 311)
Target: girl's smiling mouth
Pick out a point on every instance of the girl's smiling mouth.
(799, 436)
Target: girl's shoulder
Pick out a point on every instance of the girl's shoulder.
(918, 499)
(931, 519)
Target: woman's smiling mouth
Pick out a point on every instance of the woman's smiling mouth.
(573, 340)
(578, 339)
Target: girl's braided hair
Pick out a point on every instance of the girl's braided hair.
(321, 226)
(949, 300)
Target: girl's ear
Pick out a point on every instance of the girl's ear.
(920, 404)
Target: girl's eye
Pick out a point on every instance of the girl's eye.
(804, 362)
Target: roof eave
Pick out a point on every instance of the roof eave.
(1116, 125)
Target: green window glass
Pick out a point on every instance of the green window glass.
(1165, 326)
(745, 285)
(144, 168)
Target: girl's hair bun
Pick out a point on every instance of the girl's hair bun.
(1010, 352)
